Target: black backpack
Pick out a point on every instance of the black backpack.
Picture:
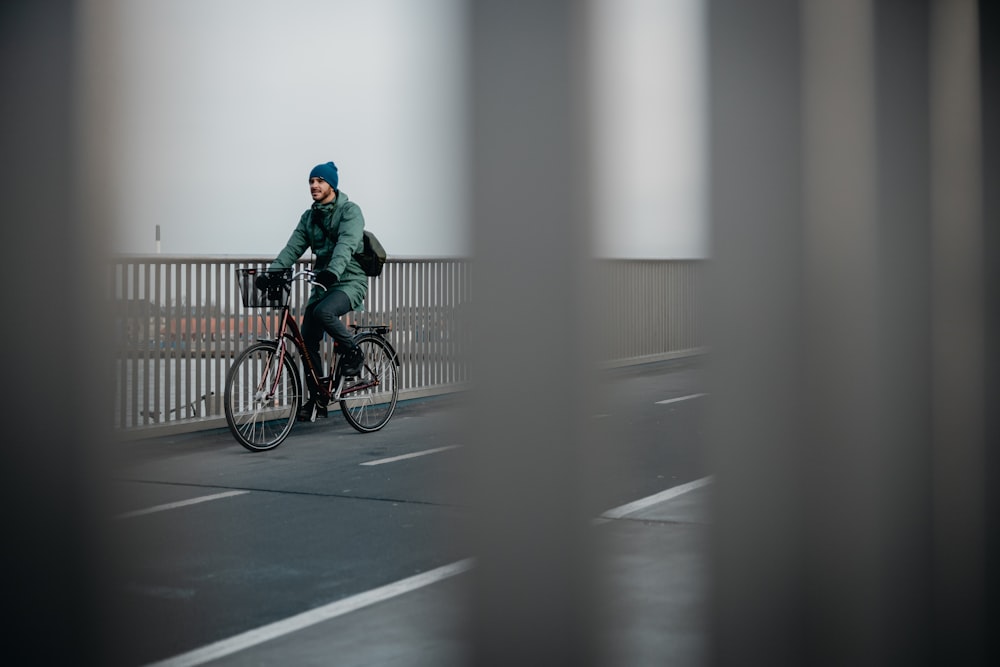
(372, 257)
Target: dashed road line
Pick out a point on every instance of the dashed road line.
(345, 606)
(682, 398)
(413, 455)
(643, 503)
(180, 503)
(318, 615)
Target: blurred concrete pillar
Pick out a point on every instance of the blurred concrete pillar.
(848, 333)
(52, 409)
(533, 332)
(755, 328)
(903, 287)
(957, 290)
(989, 48)
(841, 445)
(96, 118)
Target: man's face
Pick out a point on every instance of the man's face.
(321, 191)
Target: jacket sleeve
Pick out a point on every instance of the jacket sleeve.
(352, 227)
(297, 244)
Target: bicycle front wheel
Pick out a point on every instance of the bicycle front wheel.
(262, 397)
(369, 400)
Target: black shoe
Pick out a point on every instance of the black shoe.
(351, 362)
(311, 410)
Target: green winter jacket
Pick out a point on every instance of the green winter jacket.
(334, 250)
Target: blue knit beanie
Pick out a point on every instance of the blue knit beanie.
(327, 171)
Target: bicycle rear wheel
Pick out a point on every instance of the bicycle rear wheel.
(369, 400)
(262, 397)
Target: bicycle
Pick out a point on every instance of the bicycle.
(263, 386)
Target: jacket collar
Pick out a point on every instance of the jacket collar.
(339, 200)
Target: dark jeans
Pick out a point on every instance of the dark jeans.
(324, 317)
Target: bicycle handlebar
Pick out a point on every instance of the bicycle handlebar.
(310, 276)
(276, 277)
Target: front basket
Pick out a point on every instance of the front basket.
(274, 297)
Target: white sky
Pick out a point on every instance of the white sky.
(223, 107)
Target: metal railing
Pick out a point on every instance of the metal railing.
(653, 309)
(179, 321)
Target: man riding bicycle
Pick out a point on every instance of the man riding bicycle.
(333, 227)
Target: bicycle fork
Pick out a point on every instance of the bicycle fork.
(265, 394)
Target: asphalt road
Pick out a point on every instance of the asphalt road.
(215, 541)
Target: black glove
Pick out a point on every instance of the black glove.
(327, 278)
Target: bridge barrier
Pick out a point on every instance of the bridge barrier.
(179, 321)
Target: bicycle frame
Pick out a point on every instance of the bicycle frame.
(289, 330)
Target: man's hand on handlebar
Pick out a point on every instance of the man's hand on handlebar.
(327, 278)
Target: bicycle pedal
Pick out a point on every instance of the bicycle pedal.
(335, 395)
(317, 411)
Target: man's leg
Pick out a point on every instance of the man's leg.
(312, 334)
(319, 318)
(324, 317)
(328, 313)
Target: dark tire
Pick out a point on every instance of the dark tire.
(369, 400)
(261, 399)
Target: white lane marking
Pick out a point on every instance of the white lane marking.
(414, 455)
(180, 503)
(649, 501)
(682, 398)
(325, 613)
